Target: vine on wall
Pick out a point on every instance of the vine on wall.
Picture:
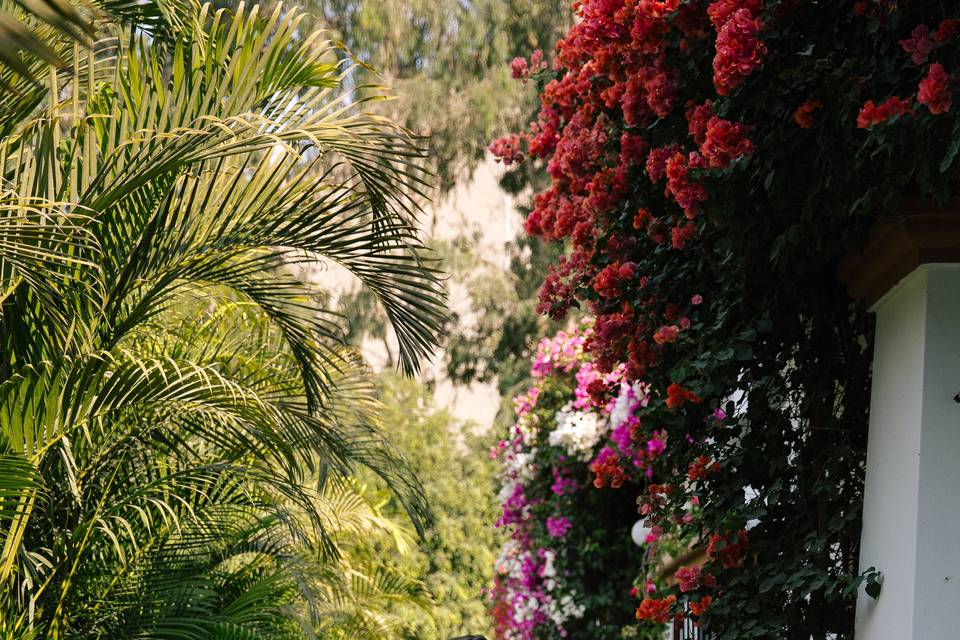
(711, 162)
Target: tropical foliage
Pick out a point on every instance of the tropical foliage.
(711, 163)
(455, 557)
(179, 422)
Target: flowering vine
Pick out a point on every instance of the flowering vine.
(564, 532)
(710, 164)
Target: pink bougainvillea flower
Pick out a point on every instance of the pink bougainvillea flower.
(521, 70)
(657, 444)
(518, 67)
(507, 149)
(692, 578)
(558, 527)
(919, 44)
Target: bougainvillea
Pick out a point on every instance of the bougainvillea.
(711, 162)
(562, 572)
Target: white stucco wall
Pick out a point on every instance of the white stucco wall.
(912, 500)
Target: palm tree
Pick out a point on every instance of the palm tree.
(175, 404)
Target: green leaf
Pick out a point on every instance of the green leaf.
(951, 154)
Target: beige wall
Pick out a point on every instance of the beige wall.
(477, 208)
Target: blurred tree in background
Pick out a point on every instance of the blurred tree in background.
(455, 558)
(448, 63)
(447, 60)
(498, 334)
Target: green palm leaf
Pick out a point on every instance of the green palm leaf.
(165, 364)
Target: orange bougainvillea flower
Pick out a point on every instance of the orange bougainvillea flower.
(677, 395)
(656, 610)
(701, 468)
(698, 608)
(803, 116)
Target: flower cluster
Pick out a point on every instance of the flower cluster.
(521, 69)
(561, 432)
(739, 49)
(872, 114)
(577, 432)
(933, 91)
(710, 162)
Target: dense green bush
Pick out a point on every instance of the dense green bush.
(455, 558)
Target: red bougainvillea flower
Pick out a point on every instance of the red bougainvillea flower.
(701, 468)
(739, 51)
(677, 395)
(724, 142)
(721, 10)
(698, 115)
(935, 90)
(692, 578)
(688, 578)
(872, 114)
(946, 30)
(507, 149)
(641, 218)
(611, 280)
(680, 234)
(919, 44)
(657, 161)
(656, 610)
(699, 607)
(729, 548)
(658, 8)
(689, 194)
(803, 116)
(660, 88)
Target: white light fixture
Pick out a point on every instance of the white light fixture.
(639, 533)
